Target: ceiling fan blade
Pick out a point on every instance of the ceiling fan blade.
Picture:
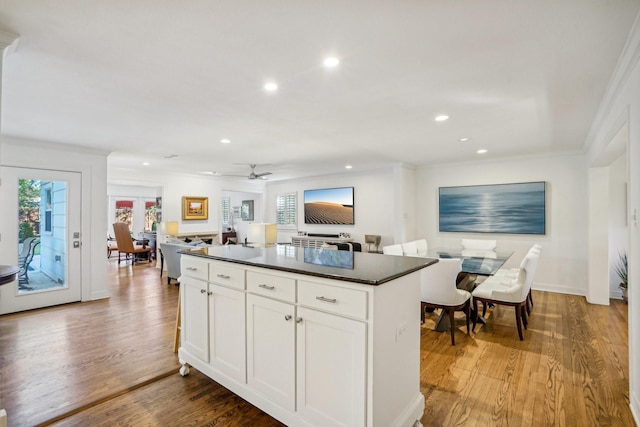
(258, 175)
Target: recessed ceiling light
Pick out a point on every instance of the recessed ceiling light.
(441, 118)
(481, 151)
(225, 141)
(348, 167)
(208, 173)
(331, 62)
(270, 87)
(146, 163)
(464, 139)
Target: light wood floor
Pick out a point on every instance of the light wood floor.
(110, 362)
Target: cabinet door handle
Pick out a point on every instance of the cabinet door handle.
(287, 317)
(267, 287)
(298, 319)
(224, 276)
(209, 293)
(191, 268)
(203, 291)
(331, 300)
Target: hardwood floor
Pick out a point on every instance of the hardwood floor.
(110, 363)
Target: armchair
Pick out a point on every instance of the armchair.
(125, 243)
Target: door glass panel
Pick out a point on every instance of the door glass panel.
(42, 223)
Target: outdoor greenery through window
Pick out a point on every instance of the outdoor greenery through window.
(28, 208)
(124, 212)
(150, 215)
(286, 210)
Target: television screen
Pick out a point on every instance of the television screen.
(329, 206)
(503, 208)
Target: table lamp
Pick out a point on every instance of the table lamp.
(261, 233)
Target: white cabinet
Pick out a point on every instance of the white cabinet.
(310, 351)
(195, 336)
(332, 366)
(271, 349)
(227, 331)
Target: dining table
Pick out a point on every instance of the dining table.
(474, 263)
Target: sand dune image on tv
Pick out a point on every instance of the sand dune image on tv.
(329, 206)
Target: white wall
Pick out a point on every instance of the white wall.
(563, 263)
(174, 186)
(236, 199)
(92, 165)
(618, 225)
(373, 204)
(621, 107)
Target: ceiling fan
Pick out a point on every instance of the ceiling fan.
(253, 174)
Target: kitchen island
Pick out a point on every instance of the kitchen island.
(313, 337)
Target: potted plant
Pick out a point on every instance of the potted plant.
(621, 270)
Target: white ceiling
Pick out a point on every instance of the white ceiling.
(147, 79)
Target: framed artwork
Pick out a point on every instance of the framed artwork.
(246, 210)
(195, 208)
(503, 208)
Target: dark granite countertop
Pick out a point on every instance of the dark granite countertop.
(357, 267)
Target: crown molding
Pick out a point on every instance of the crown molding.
(621, 75)
(6, 39)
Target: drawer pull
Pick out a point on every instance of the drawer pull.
(224, 276)
(267, 287)
(191, 268)
(331, 300)
(287, 317)
(298, 319)
(203, 291)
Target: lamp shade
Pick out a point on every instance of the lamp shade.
(172, 228)
(262, 233)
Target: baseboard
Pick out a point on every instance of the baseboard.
(634, 404)
(3, 418)
(558, 289)
(100, 295)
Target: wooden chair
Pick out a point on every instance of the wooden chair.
(125, 243)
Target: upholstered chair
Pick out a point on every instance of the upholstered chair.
(392, 250)
(422, 246)
(509, 292)
(479, 245)
(409, 249)
(438, 290)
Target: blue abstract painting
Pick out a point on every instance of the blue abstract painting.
(503, 208)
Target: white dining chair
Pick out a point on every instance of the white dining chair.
(510, 292)
(438, 290)
(392, 250)
(422, 247)
(479, 245)
(409, 249)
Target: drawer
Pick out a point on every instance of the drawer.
(334, 299)
(226, 275)
(281, 288)
(197, 268)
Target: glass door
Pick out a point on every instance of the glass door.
(40, 234)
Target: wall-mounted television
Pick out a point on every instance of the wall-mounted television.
(503, 208)
(329, 206)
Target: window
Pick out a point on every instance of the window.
(124, 212)
(48, 225)
(226, 210)
(286, 210)
(150, 215)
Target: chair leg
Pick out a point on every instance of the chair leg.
(452, 326)
(523, 314)
(519, 322)
(467, 313)
(475, 314)
(423, 306)
(530, 297)
(484, 308)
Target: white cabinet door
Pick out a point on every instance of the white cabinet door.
(271, 349)
(331, 377)
(195, 335)
(226, 331)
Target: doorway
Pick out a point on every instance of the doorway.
(41, 235)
